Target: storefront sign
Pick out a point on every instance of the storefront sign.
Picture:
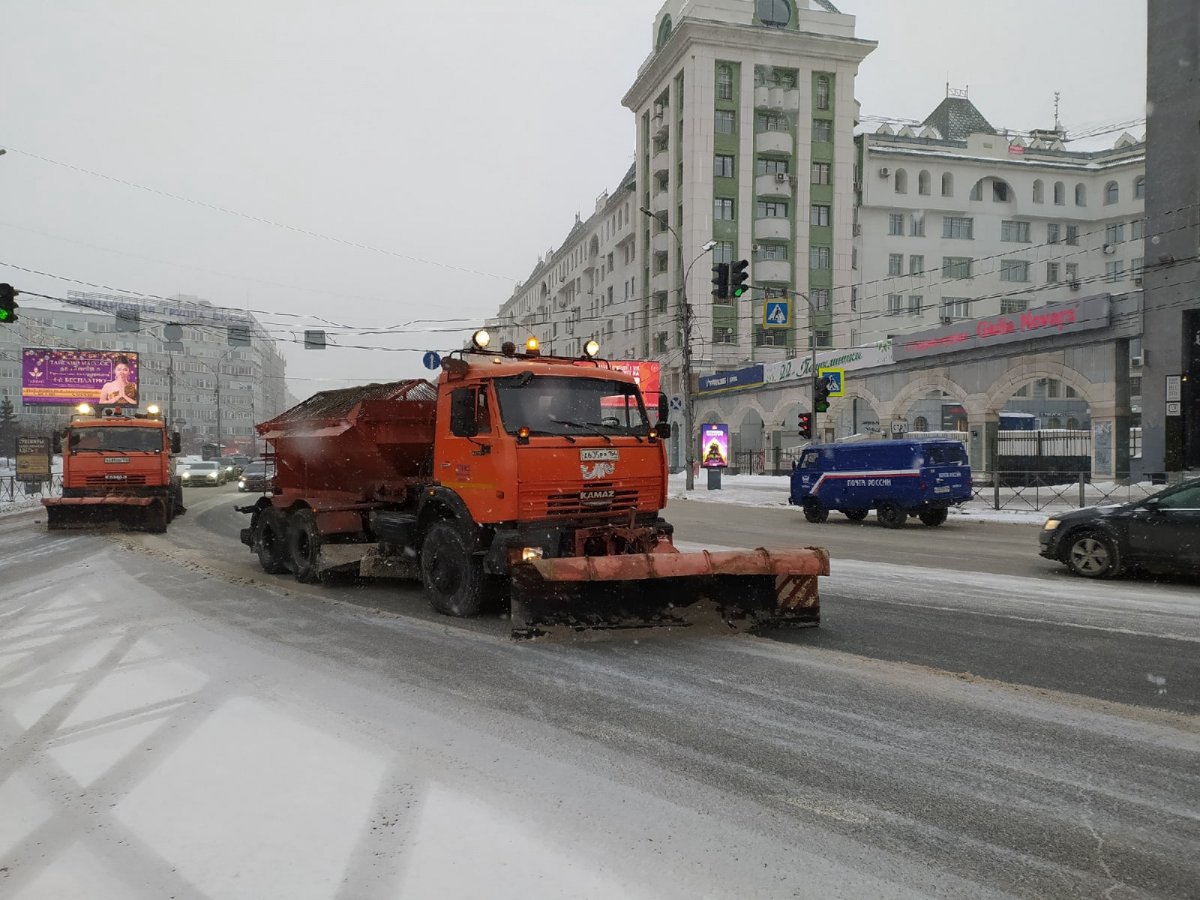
(732, 381)
(800, 367)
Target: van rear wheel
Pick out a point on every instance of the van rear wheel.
(890, 515)
(932, 517)
(855, 515)
(815, 511)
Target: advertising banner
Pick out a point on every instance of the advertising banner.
(33, 459)
(751, 376)
(54, 376)
(714, 446)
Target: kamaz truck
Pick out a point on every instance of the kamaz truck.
(517, 478)
(118, 466)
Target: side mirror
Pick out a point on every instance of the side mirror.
(663, 429)
(1151, 503)
(462, 413)
(664, 409)
(176, 442)
(56, 443)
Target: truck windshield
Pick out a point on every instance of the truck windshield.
(548, 404)
(116, 440)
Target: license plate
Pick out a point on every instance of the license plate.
(599, 454)
(944, 489)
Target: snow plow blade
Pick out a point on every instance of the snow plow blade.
(738, 590)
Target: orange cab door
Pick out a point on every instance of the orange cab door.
(470, 450)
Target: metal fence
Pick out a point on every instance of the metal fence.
(1037, 491)
(12, 490)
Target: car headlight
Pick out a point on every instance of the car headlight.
(212, 475)
(185, 475)
(241, 482)
(1050, 525)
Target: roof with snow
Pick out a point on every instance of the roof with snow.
(957, 117)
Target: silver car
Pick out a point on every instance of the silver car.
(195, 474)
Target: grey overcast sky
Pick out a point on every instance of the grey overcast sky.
(416, 157)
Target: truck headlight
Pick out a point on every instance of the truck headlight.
(528, 553)
(1050, 525)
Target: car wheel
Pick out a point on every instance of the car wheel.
(304, 546)
(815, 511)
(1091, 554)
(932, 517)
(855, 515)
(452, 576)
(890, 515)
(269, 541)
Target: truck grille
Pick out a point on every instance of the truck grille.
(103, 481)
(600, 498)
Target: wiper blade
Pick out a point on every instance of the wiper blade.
(594, 426)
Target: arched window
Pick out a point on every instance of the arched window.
(977, 190)
(923, 183)
(1112, 193)
(1054, 422)
(1073, 423)
(774, 12)
(901, 181)
(947, 184)
(920, 423)
(664, 32)
(821, 92)
(1039, 191)
(724, 83)
(1139, 188)
(1080, 194)
(1060, 193)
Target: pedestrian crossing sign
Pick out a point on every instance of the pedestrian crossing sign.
(777, 314)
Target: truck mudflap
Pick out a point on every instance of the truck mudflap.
(733, 590)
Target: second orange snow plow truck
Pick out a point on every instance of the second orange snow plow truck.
(117, 466)
(519, 475)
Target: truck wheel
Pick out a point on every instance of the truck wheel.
(304, 546)
(815, 511)
(855, 515)
(453, 578)
(269, 541)
(932, 516)
(1093, 555)
(890, 515)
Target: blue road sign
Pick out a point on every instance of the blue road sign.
(777, 314)
(834, 378)
(431, 360)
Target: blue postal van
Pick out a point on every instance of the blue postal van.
(897, 479)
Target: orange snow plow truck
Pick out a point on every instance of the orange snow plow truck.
(518, 477)
(117, 466)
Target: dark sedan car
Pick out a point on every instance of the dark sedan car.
(256, 476)
(1158, 534)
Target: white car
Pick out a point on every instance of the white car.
(195, 474)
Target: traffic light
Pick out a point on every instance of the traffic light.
(8, 304)
(738, 277)
(820, 395)
(721, 281)
(805, 425)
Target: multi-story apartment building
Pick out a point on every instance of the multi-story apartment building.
(958, 221)
(249, 379)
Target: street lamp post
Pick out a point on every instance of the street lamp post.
(685, 325)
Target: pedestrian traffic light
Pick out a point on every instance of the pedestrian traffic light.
(738, 278)
(820, 395)
(721, 281)
(805, 425)
(8, 304)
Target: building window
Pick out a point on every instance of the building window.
(923, 183)
(1073, 235)
(1081, 194)
(895, 304)
(1139, 188)
(895, 263)
(916, 264)
(764, 166)
(771, 209)
(723, 252)
(776, 13)
(1053, 388)
(1137, 230)
(977, 190)
(1114, 270)
(914, 304)
(896, 224)
(722, 166)
(1053, 233)
(956, 266)
(726, 122)
(1052, 272)
(723, 208)
(947, 184)
(822, 131)
(771, 122)
(854, 299)
(920, 424)
(772, 251)
(1112, 193)
(1017, 232)
(1011, 306)
(821, 173)
(956, 307)
(1136, 266)
(820, 299)
(824, 337)
(901, 181)
(820, 257)
(821, 94)
(1039, 191)
(724, 83)
(1114, 234)
(916, 225)
(958, 227)
(1072, 273)
(1060, 193)
(1014, 270)
(820, 215)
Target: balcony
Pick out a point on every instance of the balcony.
(660, 162)
(777, 99)
(660, 282)
(663, 242)
(773, 229)
(660, 204)
(773, 184)
(659, 123)
(777, 142)
(775, 271)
